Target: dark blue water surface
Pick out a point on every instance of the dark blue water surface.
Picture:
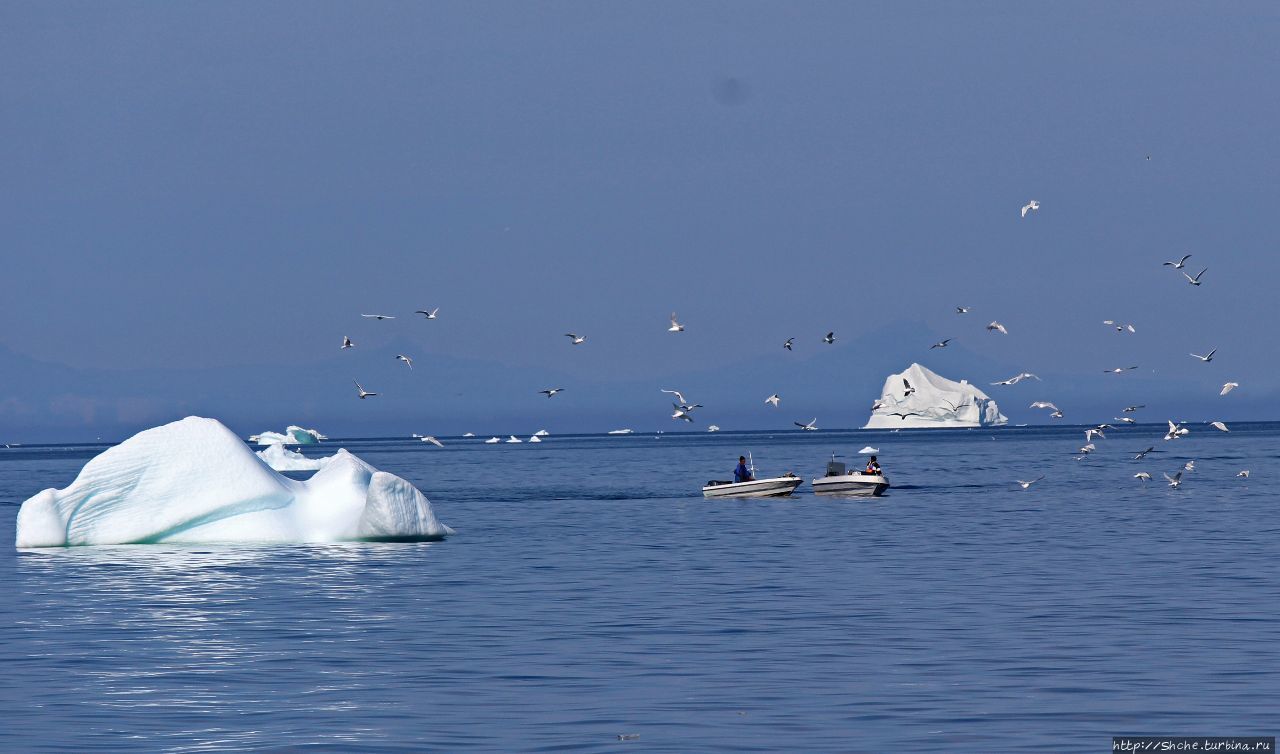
(592, 592)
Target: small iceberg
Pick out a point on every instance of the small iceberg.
(194, 482)
(513, 439)
(541, 433)
(535, 438)
(868, 451)
(293, 435)
(621, 431)
(280, 458)
(491, 441)
(918, 397)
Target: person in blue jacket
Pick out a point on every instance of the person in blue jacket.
(742, 473)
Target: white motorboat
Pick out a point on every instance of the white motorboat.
(840, 481)
(777, 486)
(774, 487)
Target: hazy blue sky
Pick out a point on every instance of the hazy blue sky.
(224, 187)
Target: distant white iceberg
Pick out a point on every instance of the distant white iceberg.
(194, 481)
(292, 436)
(932, 401)
(281, 458)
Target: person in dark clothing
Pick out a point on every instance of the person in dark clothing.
(742, 473)
(873, 466)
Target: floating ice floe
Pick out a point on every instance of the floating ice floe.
(868, 451)
(194, 481)
(918, 398)
(292, 436)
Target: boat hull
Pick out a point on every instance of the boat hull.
(853, 485)
(776, 487)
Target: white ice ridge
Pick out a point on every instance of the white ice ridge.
(194, 481)
(293, 435)
(932, 401)
(281, 458)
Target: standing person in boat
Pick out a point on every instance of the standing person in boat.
(873, 466)
(742, 473)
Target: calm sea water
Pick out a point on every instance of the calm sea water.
(591, 592)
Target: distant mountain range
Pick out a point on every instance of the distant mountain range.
(446, 395)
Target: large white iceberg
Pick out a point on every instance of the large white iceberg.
(293, 435)
(194, 481)
(932, 401)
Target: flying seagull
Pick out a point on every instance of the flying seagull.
(1118, 370)
(346, 342)
(405, 359)
(1219, 425)
(682, 412)
(1131, 409)
(1178, 264)
(963, 309)
(1189, 466)
(1144, 453)
(552, 391)
(1228, 387)
(812, 426)
(997, 327)
(1176, 431)
(940, 344)
(377, 316)
(1057, 412)
(1144, 476)
(1089, 433)
(1119, 326)
(1014, 380)
(1175, 481)
(775, 399)
(830, 338)
(680, 397)
(675, 326)
(433, 441)
(1030, 206)
(1207, 357)
(362, 392)
(787, 345)
(577, 339)
(906, 388)
(1026, 485)
(903, 415)
(1126, 419)
(429, 314)
(1195, 280)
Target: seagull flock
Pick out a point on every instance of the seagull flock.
(683, 409)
